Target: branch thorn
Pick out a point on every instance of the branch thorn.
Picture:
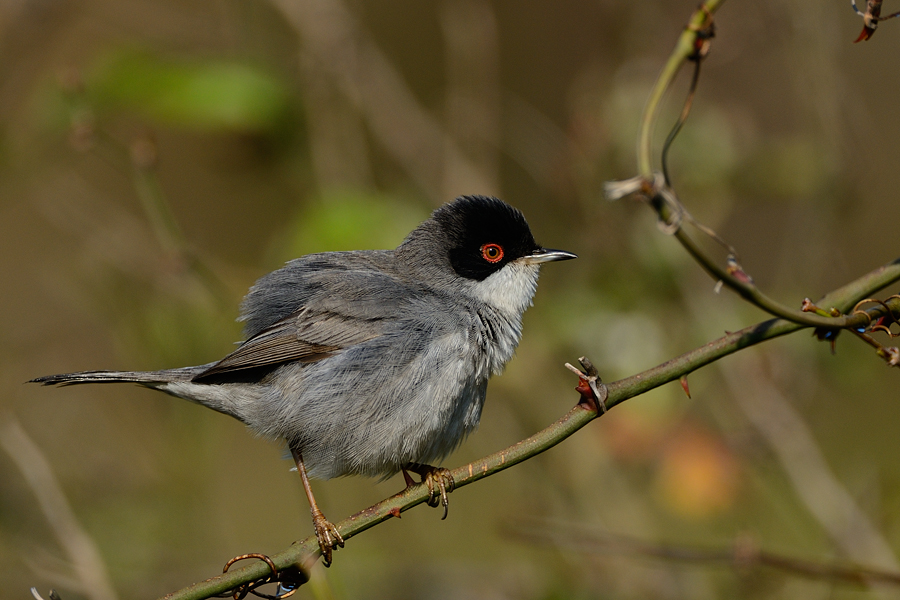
(592, 389)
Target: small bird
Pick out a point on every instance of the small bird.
(373, 362)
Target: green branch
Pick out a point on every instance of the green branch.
(684, 50)
(670, 209)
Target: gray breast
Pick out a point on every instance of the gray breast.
(410, 395)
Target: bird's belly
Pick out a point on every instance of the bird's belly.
(363, 426)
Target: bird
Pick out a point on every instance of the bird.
(373, 362)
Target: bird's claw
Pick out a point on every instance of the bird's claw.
(443, 480)
(592, 389)
(328, 536)
(439, 481)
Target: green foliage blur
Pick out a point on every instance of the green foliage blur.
(157, 158)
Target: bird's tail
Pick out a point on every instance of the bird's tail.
(148, 378)
(177, 382)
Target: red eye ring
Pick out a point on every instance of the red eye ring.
(492, 253)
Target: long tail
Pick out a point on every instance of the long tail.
(148, 378)
(177, 382)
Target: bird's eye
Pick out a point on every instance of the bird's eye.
(492, 253)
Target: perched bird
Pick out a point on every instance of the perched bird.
(373, 362)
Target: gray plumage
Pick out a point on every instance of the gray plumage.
(368, 361)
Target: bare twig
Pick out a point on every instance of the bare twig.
(705, 33)
(669, 208)
(685, 48)
(673, 215)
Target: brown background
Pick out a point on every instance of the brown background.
(340, 126)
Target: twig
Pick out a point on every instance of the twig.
(669, 208)
(685, 48)
(673, 214)
(701, 48)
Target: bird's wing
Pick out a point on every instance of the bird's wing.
(360, 284)
(314, 307)
(305, 336)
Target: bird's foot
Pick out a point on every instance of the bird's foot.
(592, 389)
(328, 535)
(439, 481)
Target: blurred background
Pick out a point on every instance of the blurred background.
(158, 157)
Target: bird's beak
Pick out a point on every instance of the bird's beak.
(542, 255)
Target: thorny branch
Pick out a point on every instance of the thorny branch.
(693, 45)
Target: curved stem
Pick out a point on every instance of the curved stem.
(889, 273)
(684, 49)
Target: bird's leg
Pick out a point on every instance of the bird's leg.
(407, 478)
(327, 534)
(439, 481)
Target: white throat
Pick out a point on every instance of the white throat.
(509, 290)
